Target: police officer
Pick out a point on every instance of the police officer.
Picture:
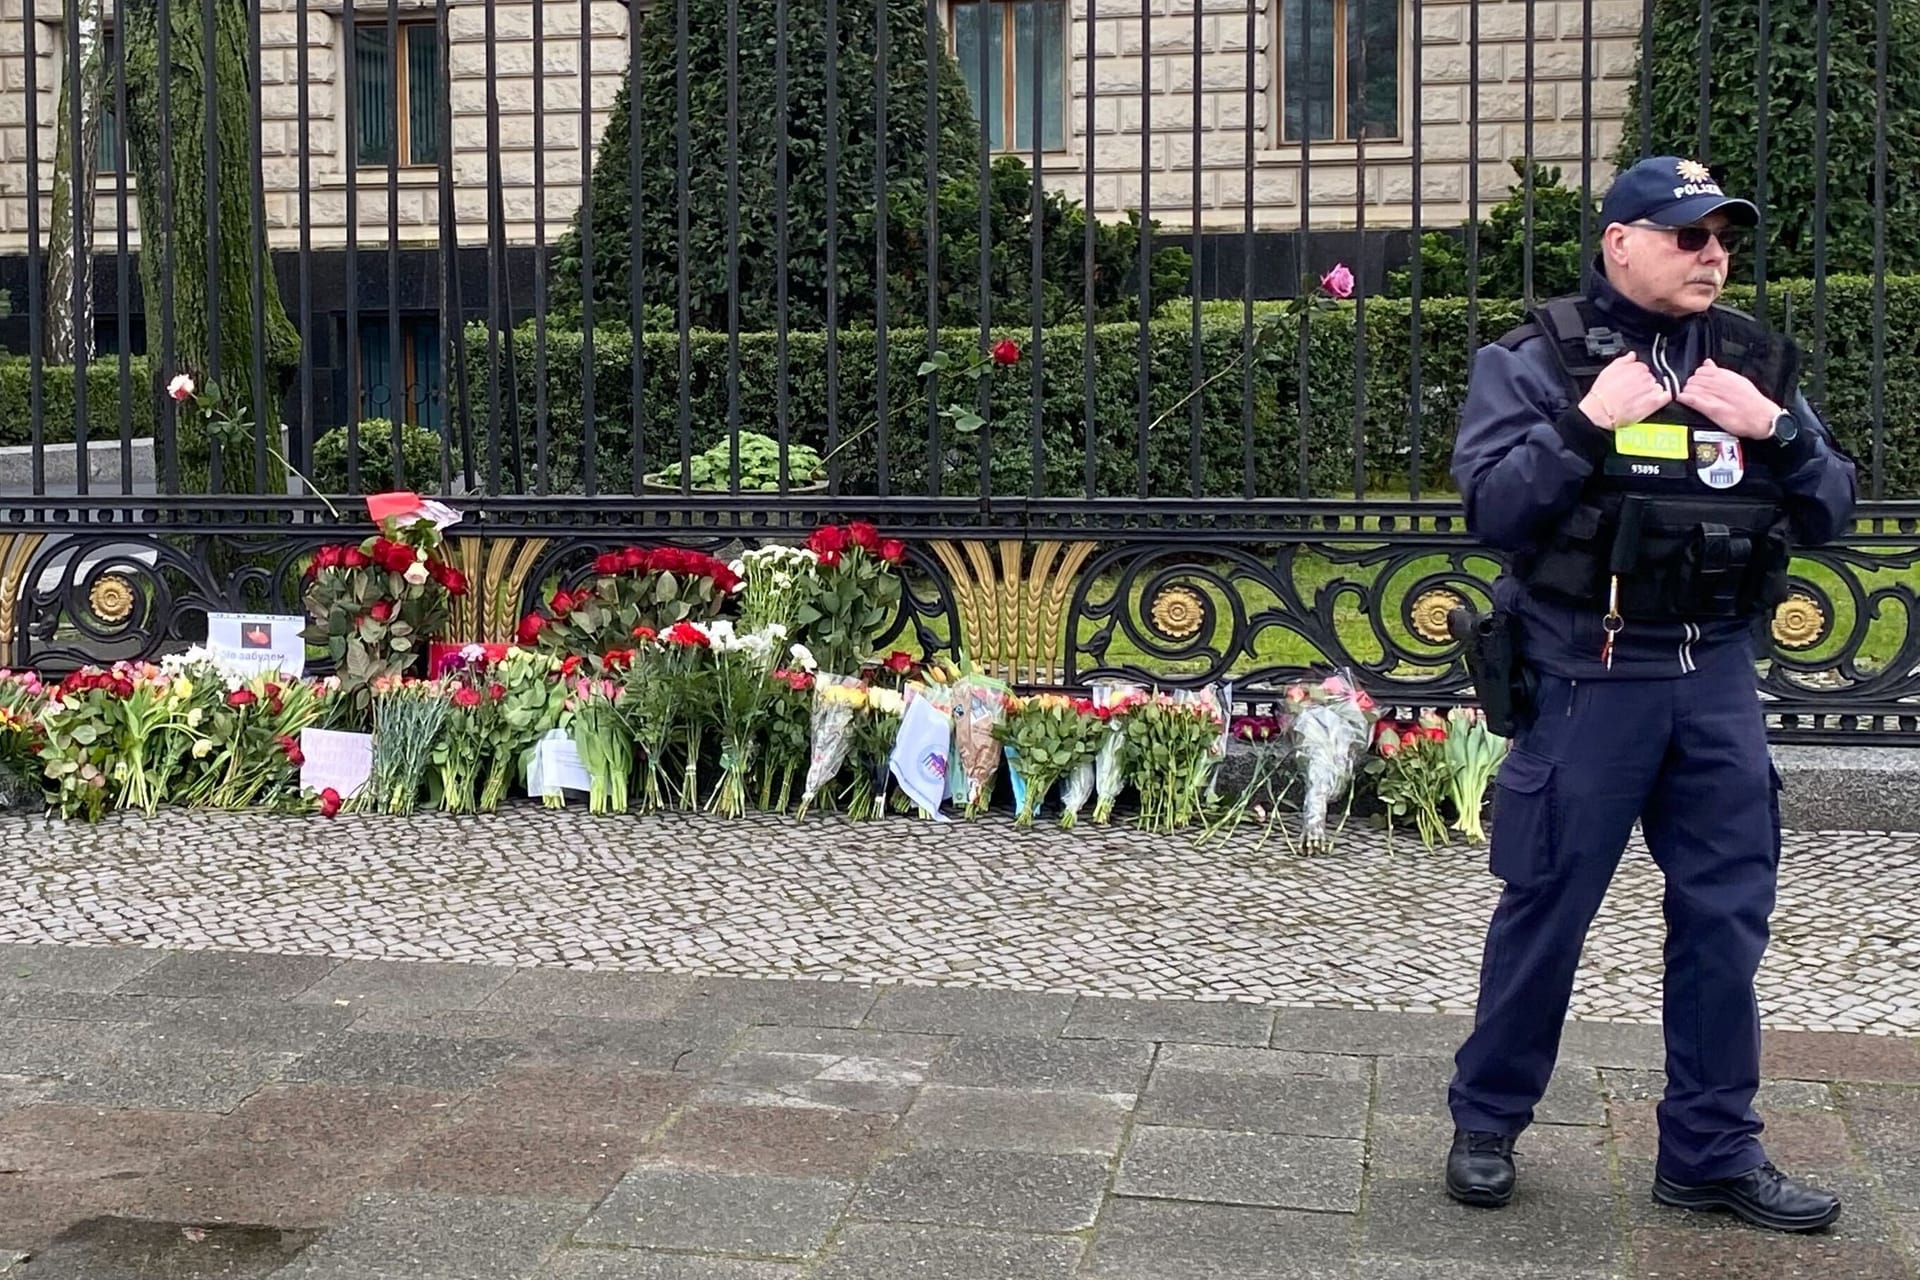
(1647, 464)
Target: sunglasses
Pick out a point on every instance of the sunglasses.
(1694, 239)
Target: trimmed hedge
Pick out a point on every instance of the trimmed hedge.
(103, 400)
(1845, 402)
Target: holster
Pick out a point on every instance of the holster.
(1505, 685)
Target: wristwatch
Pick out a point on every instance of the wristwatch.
(1785, 427)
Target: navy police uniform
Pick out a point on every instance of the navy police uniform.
(1697, 526)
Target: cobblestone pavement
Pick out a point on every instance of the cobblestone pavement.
(191, 1115)
(1094, 911)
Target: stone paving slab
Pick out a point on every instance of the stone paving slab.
(1097, 911)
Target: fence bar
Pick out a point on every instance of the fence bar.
(1586, 143)
(1882, 20)
(1473, 176)
(80, 218)
(1036, 238)
(210, 126)
(1303, 264)
(1413, 278)
(303, 112)
(1706, 80)
(1359, 132)
(1822, 32)
(1765, 95)
(982, 388)
(1248, 480)
(1196, 368)
(1144, 376)
(497, 332)
(36, 303)
(453, 364)
(396, 376)
(1526, 150)
(350, 116)
(169, 415)
(589, 427)
(681, 194)
(542, 477)
(636, 277)
(1089, 426)
(123, 273)
(1646, 78)
(781, 391)
(833, 239)
(880, 241)
(935, 54)
(265, 412)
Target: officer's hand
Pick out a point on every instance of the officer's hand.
(1730, 401)
(1625, 392)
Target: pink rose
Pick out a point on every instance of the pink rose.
(1339, 281)
(181, 388)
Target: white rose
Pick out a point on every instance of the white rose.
(803, 658)
(416, 574)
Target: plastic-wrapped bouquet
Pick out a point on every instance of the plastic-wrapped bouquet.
(1332, 724)
(1048, 736)
(1116, 698)
(836, 701)
(874, 731)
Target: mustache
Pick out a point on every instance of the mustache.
(1713, 278)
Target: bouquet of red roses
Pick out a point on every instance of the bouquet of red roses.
(855, 596)
(377, 605)
(1413, 773)
(650, 587)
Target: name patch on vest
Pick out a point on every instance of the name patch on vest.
(1718, 459)
(1651, 440)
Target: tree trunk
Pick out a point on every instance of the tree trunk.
(173, 228)
(75, 161)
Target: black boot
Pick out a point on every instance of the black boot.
(1480, 1169)
(1765, 1197)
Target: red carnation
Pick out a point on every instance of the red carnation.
(466, 696)
(864, 536)
(496, 691)
(893, 551)
(685, 633)
(1006, 351)
(569, 665)
(382, 610)
(899, 662)
(241, 698)
(329, 803)
(644, 633)
(619, 659)
(529, 632)
(828, 538)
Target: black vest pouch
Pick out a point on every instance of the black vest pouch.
(1697, 560)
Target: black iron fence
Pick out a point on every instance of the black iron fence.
(1051, 287)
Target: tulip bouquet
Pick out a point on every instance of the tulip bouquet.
(1331, 724)
(1169, 753)
(1474, 754)
(874, 732)
(837, 702)
(1116, 698)
(592, 717)
(22, 701)
(1047, 737)
(1414, 774)
(407, 718)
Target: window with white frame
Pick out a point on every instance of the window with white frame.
(1339, 70)
(1013, 36)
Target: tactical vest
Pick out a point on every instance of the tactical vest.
(1688, 516)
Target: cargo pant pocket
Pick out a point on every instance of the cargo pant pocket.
(1525, 835)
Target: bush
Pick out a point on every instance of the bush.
(1445, 356)
(103, 400)
(1503, 246)
(1791, 73)
(420, 449)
